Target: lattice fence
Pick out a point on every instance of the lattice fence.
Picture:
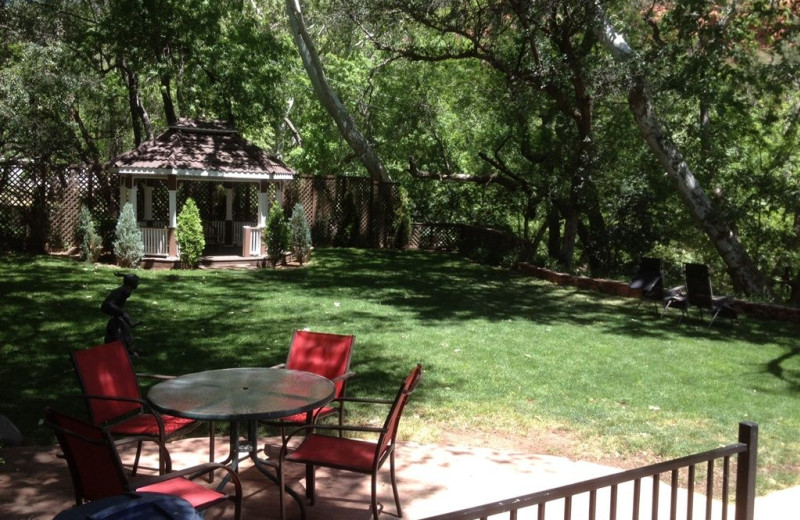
(346, 211)
(18, 197)
(39, 209)
(480, 244)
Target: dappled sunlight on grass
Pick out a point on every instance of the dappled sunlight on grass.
(502, 352)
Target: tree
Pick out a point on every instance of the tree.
(517, 41)
(300, 234)
(741, 267)
(191, 241)
(277, 234)
(326, 95)
(89, 242)
(128, 245)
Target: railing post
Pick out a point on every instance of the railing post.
(746, 471)
(246, 241)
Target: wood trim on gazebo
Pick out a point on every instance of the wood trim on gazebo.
(201, 151)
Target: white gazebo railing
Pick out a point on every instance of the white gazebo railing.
(252, 241)
(214, 232)
(155, 241)
(245, 235)
(238, 230)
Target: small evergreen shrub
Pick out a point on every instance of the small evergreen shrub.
(89, 241)
(128, 245)
(191, 241)
(277, 234)
(300, 234)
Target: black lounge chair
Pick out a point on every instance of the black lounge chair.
(650, 281)
(699, 294)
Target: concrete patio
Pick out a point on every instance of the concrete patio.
(433, 479)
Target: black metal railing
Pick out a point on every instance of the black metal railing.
(717, 479)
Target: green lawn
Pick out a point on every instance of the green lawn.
(503, 353)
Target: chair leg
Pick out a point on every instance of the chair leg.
(211, 441)
(281, 491)
(714, 317)
(394, 486)
(375, 495)
(211, 448)
(164, 460)
(311, 482)
(136, 458)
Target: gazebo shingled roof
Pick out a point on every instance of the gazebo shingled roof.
(202, 150)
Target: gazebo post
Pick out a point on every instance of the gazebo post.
(279, 193)
(172, 239)
(263, 203)
(228, 213)
(127, 193)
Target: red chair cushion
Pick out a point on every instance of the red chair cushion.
(197, 495)
(336, 452)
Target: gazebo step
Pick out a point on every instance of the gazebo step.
(206, 262)
(229, 262)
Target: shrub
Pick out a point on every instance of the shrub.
(277, 234)
(190, 234)
(300, 238)
(128, 246)
(89, 242)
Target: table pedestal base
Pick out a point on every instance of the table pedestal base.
(267, 467)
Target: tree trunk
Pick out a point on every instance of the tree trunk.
(554, 232)
(741, 267)
(139, 115)
(347, 127)
(166, 97)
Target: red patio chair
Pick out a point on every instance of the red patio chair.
(360, 456)
(97, 471)
(114, 399)
(324, 354)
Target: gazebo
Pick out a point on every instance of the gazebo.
(198, 152)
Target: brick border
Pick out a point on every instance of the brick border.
(763, 311)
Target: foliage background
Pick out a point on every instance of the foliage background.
(494, 93)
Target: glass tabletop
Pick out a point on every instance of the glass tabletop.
(241, 393)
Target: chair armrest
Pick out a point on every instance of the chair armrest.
(364, 400)
(114, 398)
(343, 377)
(146, 405)
(349, 428)
(280, 365)
(160, 377)
(332, 427)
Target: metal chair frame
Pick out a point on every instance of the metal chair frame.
(114, 400)
(91, 453)
(331, 447)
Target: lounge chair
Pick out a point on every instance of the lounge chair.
(700, 294)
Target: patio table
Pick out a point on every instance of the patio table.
(244, 396)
